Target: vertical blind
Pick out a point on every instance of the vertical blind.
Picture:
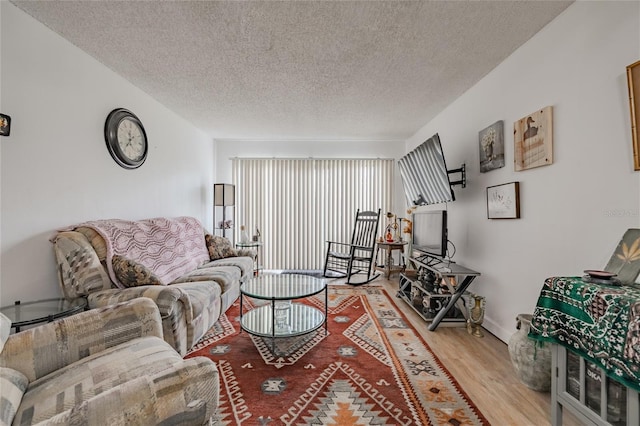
(299, 204)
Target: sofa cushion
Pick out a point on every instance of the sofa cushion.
(219, 247)
(13, 384)
(243, 263)
(96, 241)
(186, 395)
(68, 386)
(132, 274)
(224, 275)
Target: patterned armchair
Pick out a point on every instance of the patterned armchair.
(104, 366)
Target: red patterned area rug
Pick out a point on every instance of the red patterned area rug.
(370, 368)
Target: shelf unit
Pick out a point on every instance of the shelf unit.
(435, 289)
(224, 200)
(427, 301)
(588, 393)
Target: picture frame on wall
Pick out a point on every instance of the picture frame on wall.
(533, 140)
(503, 201)
(5, 125)
(633, 82)
(491, 144)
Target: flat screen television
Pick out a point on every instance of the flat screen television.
(429, 234)
(424, 174)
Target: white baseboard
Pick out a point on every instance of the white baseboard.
(500, 332)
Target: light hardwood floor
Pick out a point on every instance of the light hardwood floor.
(483, 369)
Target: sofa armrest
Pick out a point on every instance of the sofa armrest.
(185, 394)
(80, 272)
(41, 350)
(248, 253)
(174, 304)
(167, 298)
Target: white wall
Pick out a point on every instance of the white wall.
(55, 168)
(575, 210)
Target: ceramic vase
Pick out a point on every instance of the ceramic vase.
(530, 358)
(244, 236)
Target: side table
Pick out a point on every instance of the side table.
(388, 266)
(39, 311)
(257, 245)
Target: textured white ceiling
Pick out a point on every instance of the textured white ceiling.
(300, 70)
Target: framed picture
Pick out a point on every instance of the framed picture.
(503, 201)
(533, 140)
(491, 142)
(5, 125)
(633, 81)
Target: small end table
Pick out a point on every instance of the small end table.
(40, 311)
(389, 267)
(253, 244)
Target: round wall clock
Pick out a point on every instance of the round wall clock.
(126, 138)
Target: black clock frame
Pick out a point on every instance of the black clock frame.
(111, 125)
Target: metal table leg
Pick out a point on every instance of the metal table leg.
(460, 289)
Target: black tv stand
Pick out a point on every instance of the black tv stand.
(441, 282)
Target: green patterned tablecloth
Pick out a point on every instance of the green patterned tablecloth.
(599, 322)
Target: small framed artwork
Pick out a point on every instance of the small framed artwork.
(633, 81)
(5, 125)
(533, 140)
(503, 201)
(492, 147)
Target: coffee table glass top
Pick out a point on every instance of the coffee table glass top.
(282, 287)
(28, 313)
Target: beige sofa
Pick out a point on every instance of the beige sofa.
(106, 366)
(192, 276)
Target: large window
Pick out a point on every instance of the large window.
(299, 204)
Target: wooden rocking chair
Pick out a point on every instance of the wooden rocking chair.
(349, 259)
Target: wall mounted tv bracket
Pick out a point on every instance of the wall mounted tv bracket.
(463, 176)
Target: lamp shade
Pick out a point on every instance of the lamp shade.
(224, 194)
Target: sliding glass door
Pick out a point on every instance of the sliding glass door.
(299, 204)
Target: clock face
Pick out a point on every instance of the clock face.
(131, 140)
(126, 139)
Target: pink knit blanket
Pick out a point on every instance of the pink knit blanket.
(169, 247)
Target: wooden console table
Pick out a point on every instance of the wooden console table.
(389, 266)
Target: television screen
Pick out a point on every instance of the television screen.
(430, 232)
(424, 174)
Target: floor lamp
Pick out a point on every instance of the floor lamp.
(224, 195)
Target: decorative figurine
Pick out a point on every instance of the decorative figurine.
(388, 236)
(476, 315)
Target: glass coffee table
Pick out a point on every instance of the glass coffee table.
(282, 317)
(39, 311)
